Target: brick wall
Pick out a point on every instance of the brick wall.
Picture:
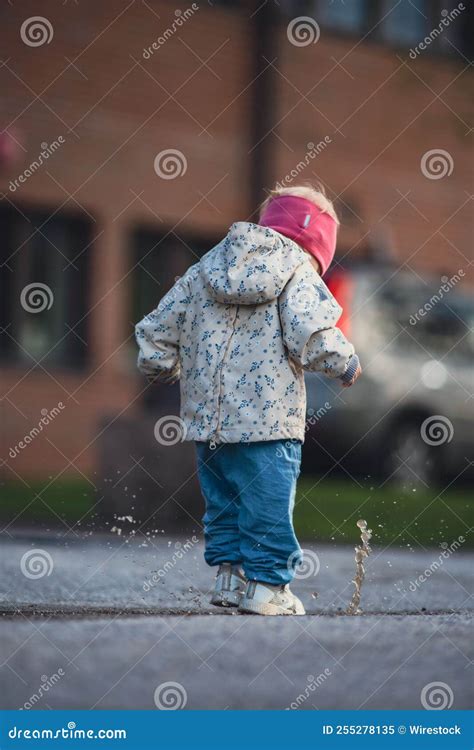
(380, 110)
(116, 110)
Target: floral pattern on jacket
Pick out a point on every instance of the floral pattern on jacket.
(238, 330)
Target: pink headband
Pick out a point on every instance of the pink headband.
(303, 222)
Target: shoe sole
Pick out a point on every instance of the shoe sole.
(226, 598)
(248, 606)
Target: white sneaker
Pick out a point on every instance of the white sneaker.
(265, 599)
(230, 586)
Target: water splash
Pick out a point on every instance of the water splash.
(361, 552)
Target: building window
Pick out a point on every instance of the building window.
(440, 24)
(349, 17)
(403, 22)
(158, 261)
(455, 39)
(342, 16)
(44, 279)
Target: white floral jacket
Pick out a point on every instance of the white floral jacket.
(238, 330)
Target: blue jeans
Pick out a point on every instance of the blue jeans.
(249, 489)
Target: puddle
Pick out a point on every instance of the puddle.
(64, 612)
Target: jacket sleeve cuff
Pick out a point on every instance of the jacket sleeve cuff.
(351, 369)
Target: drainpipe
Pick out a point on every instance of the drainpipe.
(264, 20)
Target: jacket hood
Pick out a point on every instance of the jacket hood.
(251, 265)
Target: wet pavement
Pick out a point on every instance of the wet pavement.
(102, 621)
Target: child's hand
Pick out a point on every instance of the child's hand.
(356, 375)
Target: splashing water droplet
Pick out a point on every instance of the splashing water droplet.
(361, 552)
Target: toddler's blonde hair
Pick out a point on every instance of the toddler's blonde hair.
(314, 194)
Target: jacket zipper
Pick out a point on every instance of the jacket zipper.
(215, 434)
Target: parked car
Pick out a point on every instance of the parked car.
(410, 417)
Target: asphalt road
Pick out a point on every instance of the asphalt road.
(103, 621)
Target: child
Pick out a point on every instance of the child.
(239, 330)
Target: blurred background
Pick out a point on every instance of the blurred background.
(133, 133)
